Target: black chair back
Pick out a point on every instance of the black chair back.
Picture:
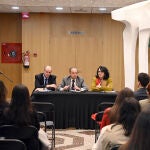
(102, 106)
(49, 110)
(27, 134)
(42, 119)
(12, 144)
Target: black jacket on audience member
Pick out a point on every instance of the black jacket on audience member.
(141, 94)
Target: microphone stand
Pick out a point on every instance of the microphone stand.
(6, 76)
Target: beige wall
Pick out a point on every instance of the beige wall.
(47, 35)
(10, 32)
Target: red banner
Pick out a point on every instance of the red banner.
(11, 52)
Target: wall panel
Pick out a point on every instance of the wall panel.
(10, 32)
(48, 36)
(100, 44)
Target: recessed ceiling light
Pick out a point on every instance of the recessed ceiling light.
(15, 7)
(59, 8)
(102, 9)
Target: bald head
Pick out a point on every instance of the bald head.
(73, 72)
(47, 71)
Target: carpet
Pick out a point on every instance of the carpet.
(73, 139)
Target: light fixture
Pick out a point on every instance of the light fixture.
(102, 9)
(59, 8)
(15, 7)
(25, 15)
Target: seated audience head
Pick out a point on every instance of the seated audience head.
(20, 107)
(73, 72)
(140, 137)
(126, 92)
(3, 92)
(102, 73)
(47, 71)
(128, 112)
(143, 80)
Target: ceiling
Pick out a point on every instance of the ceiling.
(69, 6)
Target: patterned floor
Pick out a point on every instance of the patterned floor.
(74, 139)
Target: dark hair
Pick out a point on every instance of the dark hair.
(126, 92)
(103, 69)
(3, 92)
(144, 79)
(20, 106)
(128, 112)
(140, 136)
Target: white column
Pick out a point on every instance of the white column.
(129, 40)
(143, 50)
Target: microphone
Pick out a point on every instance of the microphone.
(5, 76)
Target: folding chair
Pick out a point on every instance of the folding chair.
(100, 108)
(27, 134)
(42, 119)
(12, 144)
(49, 110)
(99, 116)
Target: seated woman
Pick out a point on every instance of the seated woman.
(119, 132)
(3, 103)
(140, 137)
(102, 82)
(21, 113)
(110, 113)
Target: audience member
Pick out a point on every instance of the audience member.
(119, 132)
(143, 81)
(45, 80)
(73, 82)
(140, 137)
(110, 113)
(3, 103)
(21, 113)
(102, 81)
(146, 102)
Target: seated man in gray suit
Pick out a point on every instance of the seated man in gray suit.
(73, 82)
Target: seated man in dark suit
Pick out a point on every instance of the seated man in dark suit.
(73, 82)
(45, 80)
(143, 81)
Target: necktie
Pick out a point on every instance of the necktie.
(46, 81)
(72, 84)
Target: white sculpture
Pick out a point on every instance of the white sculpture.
(136, 17)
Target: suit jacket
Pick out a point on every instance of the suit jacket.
(141, 94)
(106, 85)
(39, 81)
(67, 81)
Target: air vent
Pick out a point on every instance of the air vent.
(76, 32)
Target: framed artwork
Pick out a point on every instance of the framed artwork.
(11, 52)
